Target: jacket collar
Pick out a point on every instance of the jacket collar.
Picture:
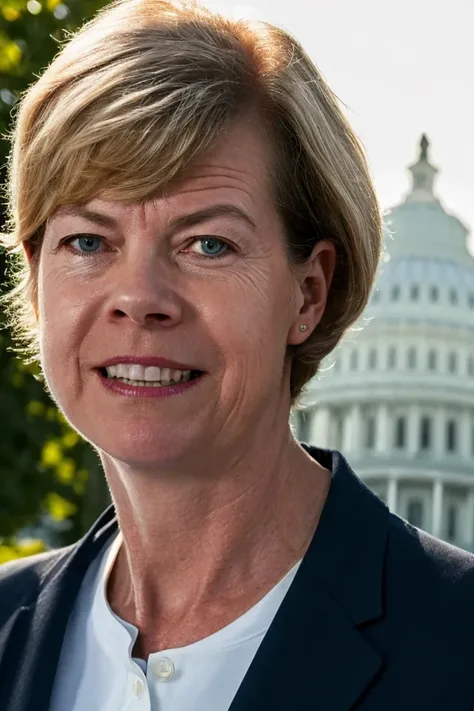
(348, 548)
(313, 655)
(31, 636)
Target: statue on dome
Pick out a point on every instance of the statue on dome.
(424, 143)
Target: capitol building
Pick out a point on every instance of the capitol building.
(396, 397)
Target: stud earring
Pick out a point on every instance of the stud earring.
(303, 327)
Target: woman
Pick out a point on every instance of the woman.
(198, 229)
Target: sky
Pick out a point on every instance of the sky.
(400, 68)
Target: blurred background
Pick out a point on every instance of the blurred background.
(397, 396)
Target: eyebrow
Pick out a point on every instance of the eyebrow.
(91, 215)
(189, 220)
(209, 213)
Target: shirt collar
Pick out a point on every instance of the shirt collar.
(115, 639)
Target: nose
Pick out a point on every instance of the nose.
(143, 294)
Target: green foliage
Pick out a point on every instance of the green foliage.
(30, 36)
(46, 470)
(20, 549)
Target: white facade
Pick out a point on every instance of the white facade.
(397, 396)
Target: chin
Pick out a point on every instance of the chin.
(140, 448)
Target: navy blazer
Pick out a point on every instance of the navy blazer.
(380, 616)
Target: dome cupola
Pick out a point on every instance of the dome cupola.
(423, 175)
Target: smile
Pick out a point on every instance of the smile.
(136, 381)
(149, 376)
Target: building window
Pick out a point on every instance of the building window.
(451, 436)
(395, 294)
(370, 433)
(412, 358)
(452, 362)
(453, 296)
(354, 359)
(400, 432)
(414, 292)
(372, 359)
(415, 512)
(470, 365)
(434, 293)
(425, 433)
(471, 301)
(452, 523)
(432, 360)
(392, 357)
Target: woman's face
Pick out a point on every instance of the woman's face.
(197, 276)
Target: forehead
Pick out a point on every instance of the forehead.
(240, 159)
(234, 171)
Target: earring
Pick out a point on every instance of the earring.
(303, 327)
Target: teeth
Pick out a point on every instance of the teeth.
(165, 374)
(120, 371)
(153, 374)
(139, 375)
(135, 372)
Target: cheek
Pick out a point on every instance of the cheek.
(59, 319)
(251, 317)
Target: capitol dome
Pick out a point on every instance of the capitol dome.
(397, 395)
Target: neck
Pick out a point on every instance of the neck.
(208, 548)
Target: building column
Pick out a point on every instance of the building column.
(320, 427)
(383, 443)
(437, 516)
(392, 494)
(465, 434)
(469, 520)
(352, 430)
(413, 435)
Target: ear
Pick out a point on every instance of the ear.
(313, 284)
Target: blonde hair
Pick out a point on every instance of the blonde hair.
(147, 85)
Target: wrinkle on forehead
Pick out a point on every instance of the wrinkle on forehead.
(243, 153)
(236, 169)
(238, 187)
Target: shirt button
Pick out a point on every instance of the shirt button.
(137, 687)
(163, 668)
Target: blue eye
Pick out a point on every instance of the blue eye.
(87, 243)
(83, 245)
(214, 245)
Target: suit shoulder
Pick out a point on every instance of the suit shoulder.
(21, 578)
(40, 562)
(426, 558)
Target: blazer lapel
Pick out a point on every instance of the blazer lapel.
(313, 655)
(31, 640)
(311, 658)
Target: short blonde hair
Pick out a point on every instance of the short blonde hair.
(145, 87)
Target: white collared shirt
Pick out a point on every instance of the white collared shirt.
(96, 671)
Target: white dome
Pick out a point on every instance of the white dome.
(426, 229)
(397, 395)
(426, 276)
(423, 290)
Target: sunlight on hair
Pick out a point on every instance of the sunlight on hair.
(123, 113)
(233, 12)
